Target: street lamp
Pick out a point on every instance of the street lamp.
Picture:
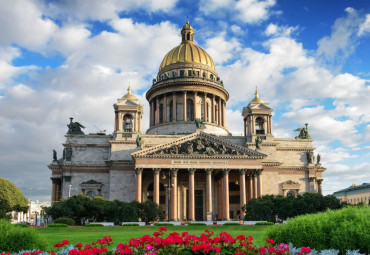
(69, 190)
(30, 213)
(168, 188)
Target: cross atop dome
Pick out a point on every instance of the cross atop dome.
(187, 33)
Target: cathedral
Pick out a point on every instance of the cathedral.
(187, 161)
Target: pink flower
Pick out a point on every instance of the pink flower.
(149, 247)
(262, 250)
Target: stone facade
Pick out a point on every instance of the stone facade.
(193, 171)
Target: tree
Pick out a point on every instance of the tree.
(11, 199)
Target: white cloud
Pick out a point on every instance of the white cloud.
(253, 11)
(341, 42)
(277, 31)
(22, 23)
(104, 10)
(246, 11)
(222, 49)
(237, 30)
(365, 26)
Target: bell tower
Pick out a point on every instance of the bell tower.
(257, 119)
(128, 114)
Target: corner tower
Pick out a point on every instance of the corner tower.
(257, 119)
(186, 88)
(128, 114)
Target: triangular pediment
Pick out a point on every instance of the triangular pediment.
(199, 145)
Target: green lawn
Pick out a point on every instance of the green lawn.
(123, 234)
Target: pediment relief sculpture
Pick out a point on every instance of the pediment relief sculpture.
(199, 146)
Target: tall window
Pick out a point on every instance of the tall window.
(171, 111)
(161, 113)
(202, 111)
(216, 114)
(189, 109)
(127, 123)
(259, 125)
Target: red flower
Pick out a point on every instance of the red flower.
(262, 250)
(268, 240)
(163, 229)
(271, 249)
(65, 242)
(305, 250)
(58, 245)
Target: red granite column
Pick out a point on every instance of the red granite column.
(209, 210)
(173, 202)
(243, 199)
(139, 177)
(156, 172)
(191, 195)
(226, 194)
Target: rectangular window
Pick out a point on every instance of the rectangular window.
(182, 73)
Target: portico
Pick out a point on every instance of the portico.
(201, 181)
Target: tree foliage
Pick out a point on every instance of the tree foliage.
(82, 209)
(271, 207)
(11, 198)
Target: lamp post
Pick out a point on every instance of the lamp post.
(30, 213)
(69, 190)
(168, 188)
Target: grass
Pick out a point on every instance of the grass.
(124, 234)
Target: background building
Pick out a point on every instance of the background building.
(354, 194)
(187, 162)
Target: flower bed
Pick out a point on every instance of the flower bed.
(174, 243)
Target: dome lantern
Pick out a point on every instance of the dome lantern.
(187, 33)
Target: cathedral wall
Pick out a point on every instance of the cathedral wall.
(296, 176)
(90, 155)
(270, 179)
(122, 151)
(88, 139)
(186, 128)
(122, 185)
(79, 177)
(292, 157)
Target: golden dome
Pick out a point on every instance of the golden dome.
(129, 95)
(256, 99)
(187, 51)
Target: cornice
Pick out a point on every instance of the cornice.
(92, 145)
(294, 148)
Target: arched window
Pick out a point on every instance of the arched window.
(290, 193)
(161, 113)
(259, 125)
(127, 123)
(171, 111)
(188, 36)
(189, 110)
(91, 194)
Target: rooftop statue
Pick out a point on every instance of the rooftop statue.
(258, 141)
(198, 123)
(54, 155)
(138, 141)
(318, 159)
(74, 128)
(303, 133)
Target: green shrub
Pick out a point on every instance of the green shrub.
(197, 224)
(131, 225)
(163, 224)
(67, 221)
(231, 224)
(345, 229)
(264, 223)
(21, 225)
(93, 225)
(14, 238)
(57, 225)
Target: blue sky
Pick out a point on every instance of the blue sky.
(309, 60)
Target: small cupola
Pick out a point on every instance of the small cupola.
(187, 33)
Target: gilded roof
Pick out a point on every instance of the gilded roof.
(187, 51)
(129, 95)
(256, 99)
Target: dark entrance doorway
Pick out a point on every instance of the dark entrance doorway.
(198, 201)
(198, 204)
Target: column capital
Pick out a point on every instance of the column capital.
(259, 171)
(225, 171)
(311, 179)
(242, 171)
(319, 181)
(156, 170)
(174, 171)
(209, 170)
(191, 171)
(138, 170)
